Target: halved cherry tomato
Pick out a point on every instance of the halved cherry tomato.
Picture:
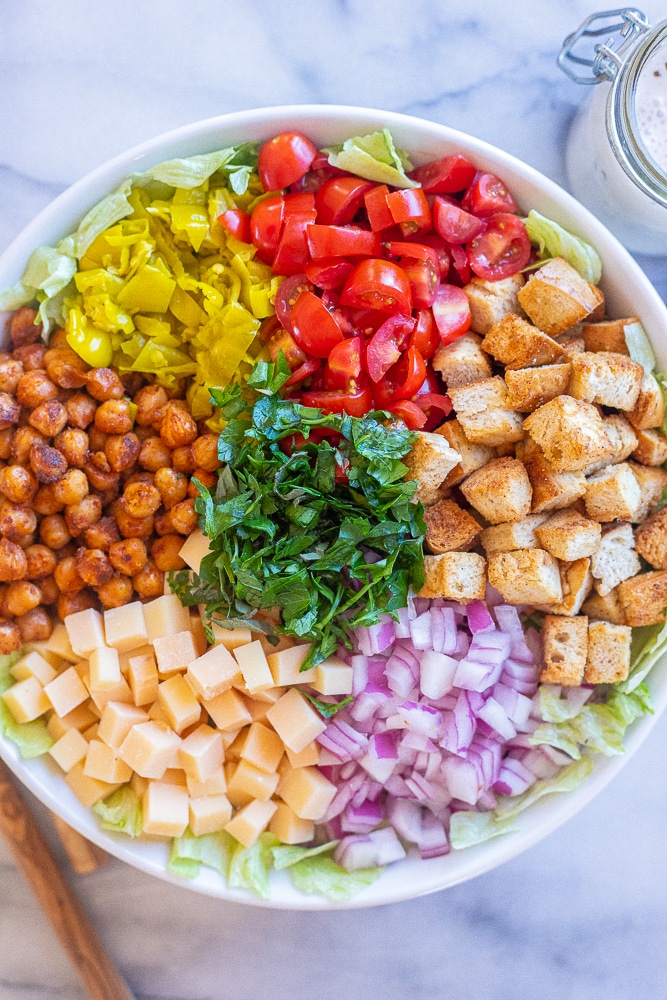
(441, 248)
(403, 380)
(409, 207)
(308, 368)
(287, 294)
(425, 335)
(488, 195)
(445, 176)
(329, 273)
(451, 312)
(342, 241)
(431, 399)
(378, 284)
(453, 223)
(266, 223)
(292, 253)
(502, 249)
(343, 366)
(284, 160)
(236, 222)
(377, 209)
(422, 267)
(315, 329)
(412, 416)
(339, 199)
(387, 344)
(365, 322)
(282, 340)
(460, 262)
(356, 402)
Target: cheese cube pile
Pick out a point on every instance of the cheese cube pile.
(212, 738)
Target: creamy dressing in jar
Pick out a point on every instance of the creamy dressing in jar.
(651, 107)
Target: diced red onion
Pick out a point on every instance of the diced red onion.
(362, 818)
(421, 632)
(514, 778)
(381, 847)
(479, 617)
(459, 726)
(508, 620)
(437, 672)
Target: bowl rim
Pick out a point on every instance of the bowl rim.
(411, 878)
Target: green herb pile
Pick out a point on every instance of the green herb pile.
(287, 530)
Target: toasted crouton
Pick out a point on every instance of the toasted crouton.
(651, 446)
(570, 432)
(462, 361)
(528, 388)
(472, 456)
(615, 559)
(576, 581)
(649, 410)
(481, 409)
(518, 344)
(607, 608)
(623, 440)
(613, 494)
(500, 490)
(608, 660)
(644, 598)
(450, 528)
(489, 301)
(456, 576)
(565, 649)
(652, 483)
(609, 335)
(556, 296)
(428, 462)
(606, 378)
(571, 341)
(552, 490)
(568, 535)
(651, 539)
(526, 576)
(512, 534)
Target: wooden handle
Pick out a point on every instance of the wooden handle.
(56, 896)
(84, 856)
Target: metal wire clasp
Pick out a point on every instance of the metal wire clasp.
(608, 58)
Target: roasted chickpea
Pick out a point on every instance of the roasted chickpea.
(165, 553)
(122, 451)
(23, 328)
(49, 589)
(48, 418)
(54, 532)
(4, 610)
(104, 384)
(154, 454)
(143, 433)
(13, 562)
(184, 517)
(81, 515)
(27, 540)
(69, 604)
(67, 576)
(35, 625)
(150, 402)
(115, 592)
(133, 382)
(142, 499)
(31, 356)
(207, 479)
(23, 440)
(35, 387)
(10, 410)
(10, 637)
(178, 427)
(149, 582)
(183, 459)
(45, 502)
(18, 484)
(100, 474)
(59, 338)
(72, 487)
(129, 526)
(47, 463)
(97, 439)
(114, 417)
(128, 556)
(80, 410)
(65, 368)
(11, 371)
(22, 596)
(172, 485)
(205, 451)
(163, 525)
(93, 566)
(16, 521)
(41, 561)
(6, 441)
(73, 444)
(102, 534)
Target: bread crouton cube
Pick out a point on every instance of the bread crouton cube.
(651, 539)
(462, 361)
(571, 341)
(644, 598)
(565, 649)
(607, 335)
(613, 494)
(512, 534)
(652, 483)
(606, 378)
(615, 559)
(649, 409)
(481, 409)
(569, 535)
(526, 576)
(607, 607)
(518, 344)
(456, 576)
(450, 528)
(576, 581)
(608, 659)
(556, 296)
(500, 490)
(552, 490)
(570, 432)
(472, 456)
(623, 439)
(429, 462)
(489, 301)
(651, 446)
(528, 388)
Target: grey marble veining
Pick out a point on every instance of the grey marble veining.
(581, 915)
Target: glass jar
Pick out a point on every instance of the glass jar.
(616, 155)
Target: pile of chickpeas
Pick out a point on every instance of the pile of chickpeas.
(96, 497)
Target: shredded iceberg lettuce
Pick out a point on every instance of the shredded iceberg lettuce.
(373, 157)
(639, 346)
(318, 874)
(121, 812)
(597, 726)
(554, 241)
(189, 853)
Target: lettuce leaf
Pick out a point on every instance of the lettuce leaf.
(189, 853)
(318, 874)
(121, 812)
(236, 162)
(31, 738)
(373, 157)
(48, 273)
(639, 346)
(554, 241)
(249, 867)
(598, 726)
(285, 855)
(649, 645)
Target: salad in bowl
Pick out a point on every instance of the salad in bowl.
(333, 556)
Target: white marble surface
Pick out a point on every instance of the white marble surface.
(580, 915)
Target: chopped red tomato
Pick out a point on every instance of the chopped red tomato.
(441, 248)
(451, 312)
(342, 241)
(378, 284)
(425, 335)
(502, 249)
(409, 207)
(356, 402)
(403, 380)
(329, 273)
(236, 222)
(453, 223)
(460, 262)
(339, 199)
(284, 160)
(446, 176)
(292, 253)
(266, 223)
(315, 329)
(343, 367)
(412, 415)
(488, 195)
(377, 209)
(387, 344)
(287, 294)
(304, 371)
(422, 266)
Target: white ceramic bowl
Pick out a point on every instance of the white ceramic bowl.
(627, 291)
